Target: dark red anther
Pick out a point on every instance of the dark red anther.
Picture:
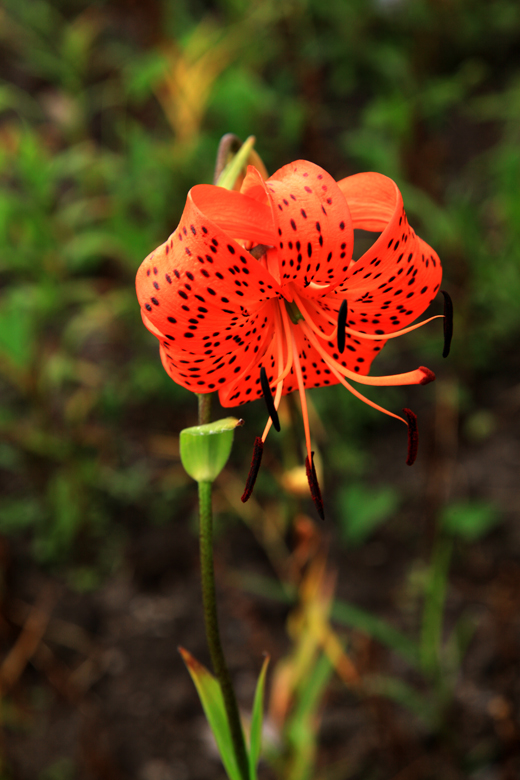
(255, 468)
(312, 479)
(413, 436)
(428, 377)
(448, 323)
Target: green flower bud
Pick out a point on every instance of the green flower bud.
(205, 449)
(235, 164)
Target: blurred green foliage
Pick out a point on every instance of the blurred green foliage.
(109, 113)
(362, 509)
(469, 520)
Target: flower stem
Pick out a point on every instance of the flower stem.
(212, 628)
(204, 407)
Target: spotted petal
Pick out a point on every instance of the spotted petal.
(314, 229)
(200, 288)
(316, 373)
(236, 368)
(398, 277)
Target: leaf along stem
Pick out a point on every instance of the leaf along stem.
(212, 628)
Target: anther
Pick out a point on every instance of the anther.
(448, 323)
(255, 467)
(342, 322)
(413, 436)
(428, 375)
(269, 400)
(312, 479)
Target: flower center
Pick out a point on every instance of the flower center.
(293, 311)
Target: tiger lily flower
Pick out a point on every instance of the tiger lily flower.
(256, 292)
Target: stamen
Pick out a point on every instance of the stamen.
(342, 321)
(413, 436)
(411, 422)
(303, 398)
(269, 400)
(421, 376)
(255, 467)
(279, 336)
(312, 479)
(372, 336)
(282, 323)
(448, 323)
(362, 397)
(428, 377)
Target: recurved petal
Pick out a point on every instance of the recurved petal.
(372, 199)
(201, 286)
(398, 277)
(315, 235)
(239, 215)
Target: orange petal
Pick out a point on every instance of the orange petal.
(201, 290)
(372, 199)
(398, 277)
(315, 235)
(202, 373)
(238, 215)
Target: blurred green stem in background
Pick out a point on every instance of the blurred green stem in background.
(434, 606)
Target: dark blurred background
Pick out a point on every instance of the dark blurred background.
(109, 112)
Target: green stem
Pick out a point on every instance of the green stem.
(212, 629)
(204, 407)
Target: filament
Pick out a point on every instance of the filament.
(420, 376)
(363, 398)
(377, 336)
(413, 436)
(303, 399)
(280, 328)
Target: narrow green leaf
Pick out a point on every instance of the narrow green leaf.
(313, 690)
(255, 741)
(301, 731)
(213, 705)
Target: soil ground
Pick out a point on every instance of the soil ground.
(104, 694)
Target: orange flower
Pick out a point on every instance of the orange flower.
(256, 293)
